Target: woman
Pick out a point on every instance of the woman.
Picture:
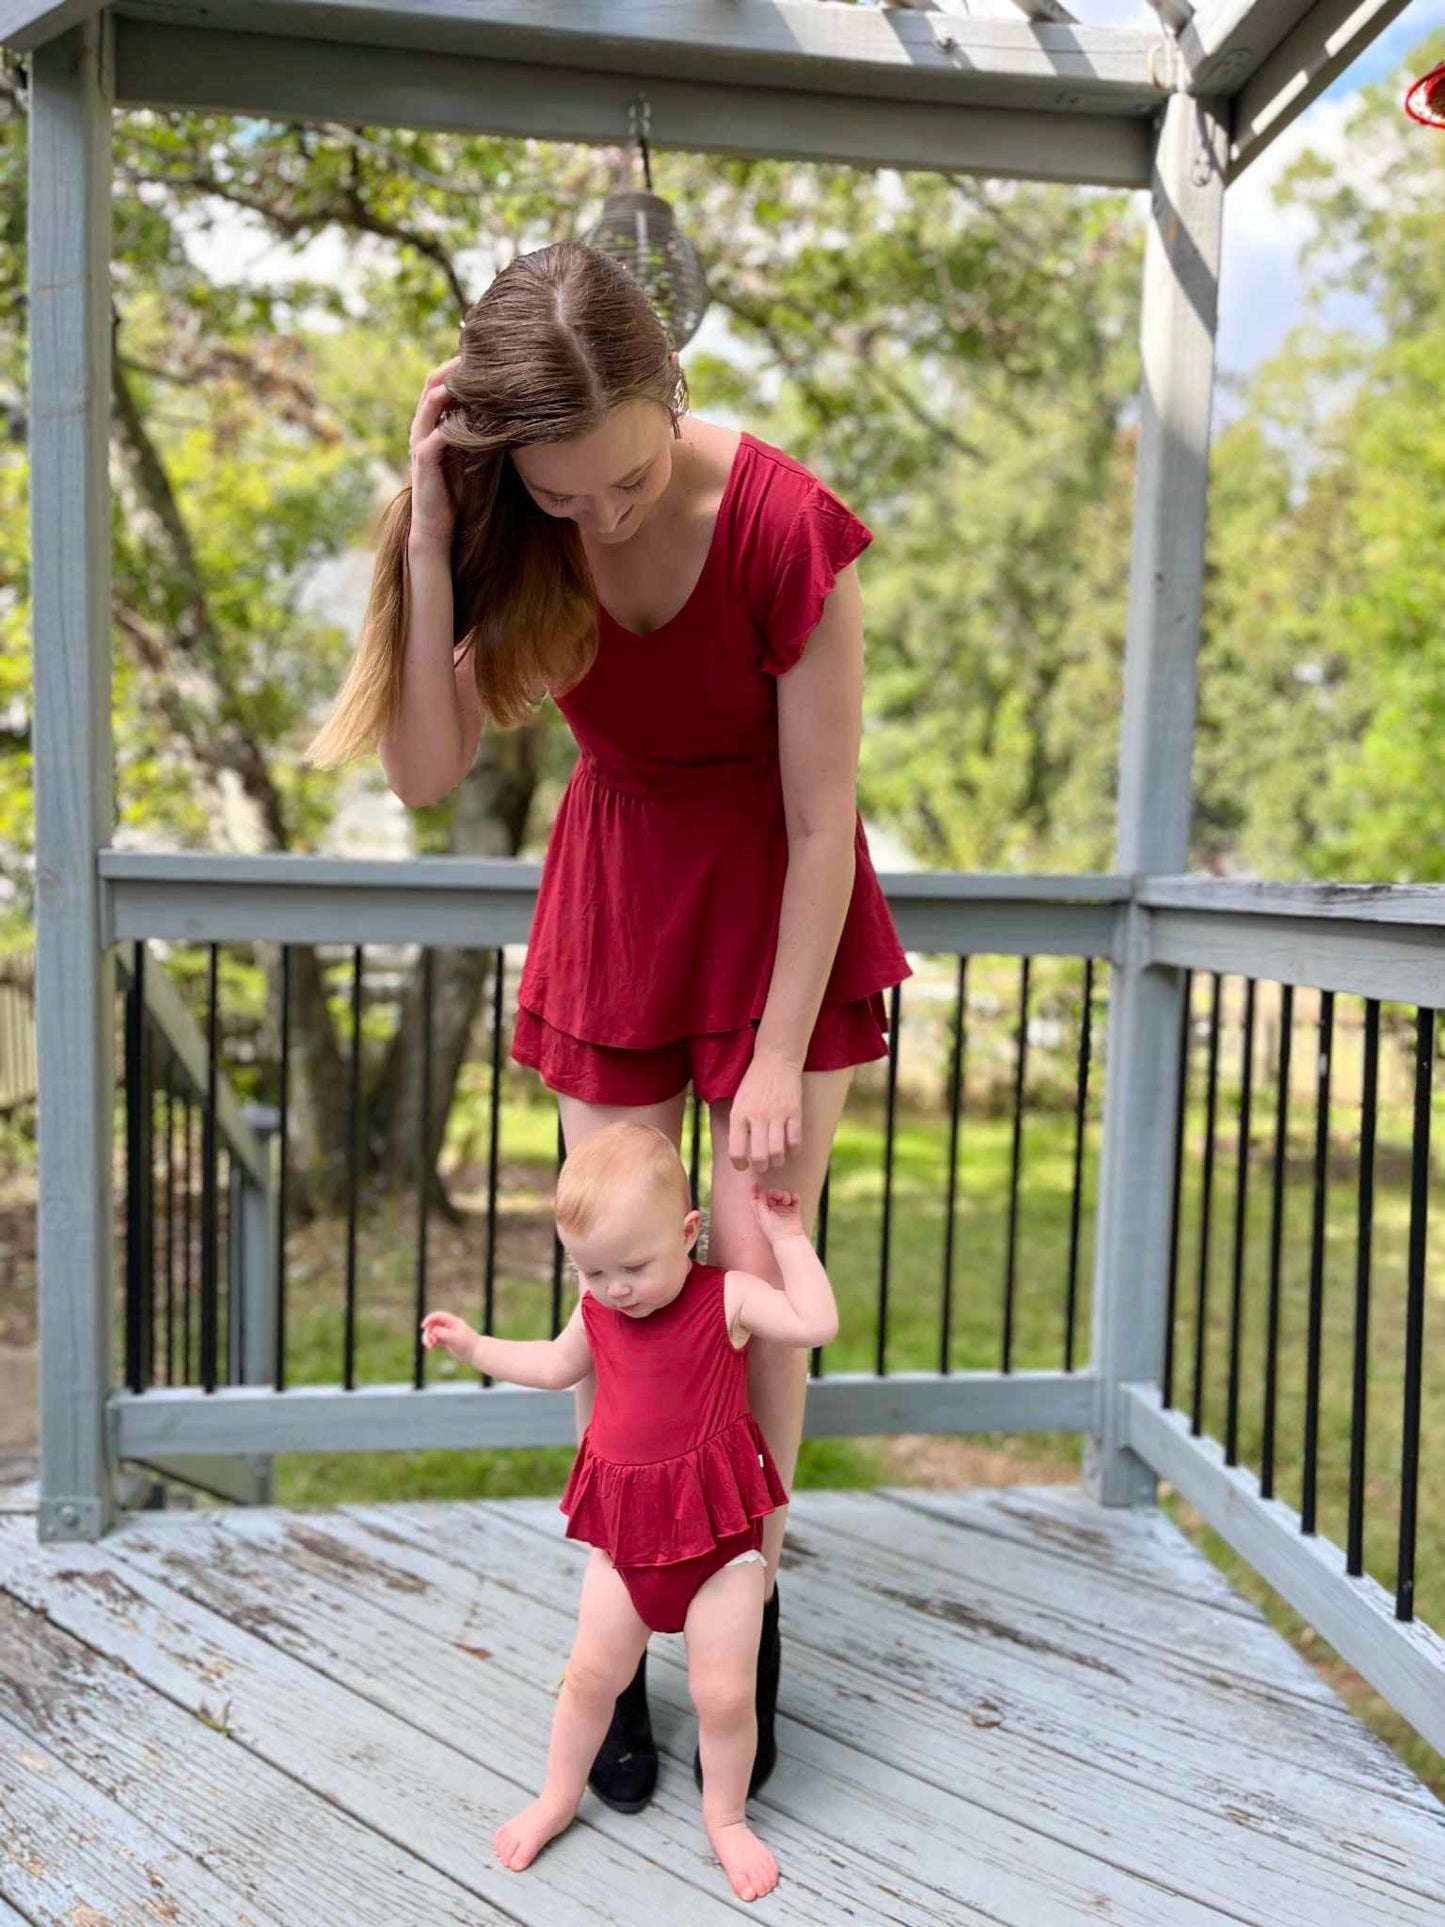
(708, 913)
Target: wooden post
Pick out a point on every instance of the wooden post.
(70, 187)
(1180, 300)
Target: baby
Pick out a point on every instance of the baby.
(673, 1478)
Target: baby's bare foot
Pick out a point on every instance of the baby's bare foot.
(745, 1860)
(518, 1841)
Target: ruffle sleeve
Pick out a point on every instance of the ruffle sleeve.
(825, 537)
(669, 1509)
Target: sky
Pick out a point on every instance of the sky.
(1261, 287)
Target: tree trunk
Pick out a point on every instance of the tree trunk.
(316, 1096)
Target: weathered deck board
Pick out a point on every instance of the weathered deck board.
(289, 1849)
(1234, 1838)
(1009, 1708)
(69, 1855)
(505, 1700)
(421, 1794)
(1140, 1547)
(816, 1832)
(1064, 1676)
(377, 1550)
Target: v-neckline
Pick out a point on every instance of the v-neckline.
(724, 502)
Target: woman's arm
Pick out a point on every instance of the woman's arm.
(430, 746)
(820, 711)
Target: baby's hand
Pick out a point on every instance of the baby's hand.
(445, 1328)
(778, 1213)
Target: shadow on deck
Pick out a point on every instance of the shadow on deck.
(999, 1706)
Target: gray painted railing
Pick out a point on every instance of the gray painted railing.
(1374, 943)
(166, 1058)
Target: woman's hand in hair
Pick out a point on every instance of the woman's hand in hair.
(433, 515)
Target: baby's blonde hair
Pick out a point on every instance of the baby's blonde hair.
(620, 1154)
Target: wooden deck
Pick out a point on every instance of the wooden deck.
(998, 1706)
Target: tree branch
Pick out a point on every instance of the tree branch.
(217, 741)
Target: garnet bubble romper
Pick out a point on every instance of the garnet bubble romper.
(673, 1477)
(652, 946)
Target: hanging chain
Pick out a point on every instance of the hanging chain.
(639, 117)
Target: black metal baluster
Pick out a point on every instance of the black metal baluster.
(1206, 1199)
(1369, 1094)
(177, 1071)
(820, 1245)
(158, 1053)
(1081, 1106)
(695, 1162)
(210, 1218)
(885, 1253)
(1241, 1221)
(279, 1336)
(137, 1160)
(353, 1174)
(1181, 1099)
(187, 1369)
(558, 1254)
(424, 1167)
(1415, 1315)
(234, 1324)
(494, 1151)
(955, 1106)
(1276, 1240)
(1020, 1074)
(1317, 1260)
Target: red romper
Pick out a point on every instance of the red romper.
(652, 946)
(673, 1478)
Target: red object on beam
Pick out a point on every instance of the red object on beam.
(1425, 101)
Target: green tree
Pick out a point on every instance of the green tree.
(1323, 686)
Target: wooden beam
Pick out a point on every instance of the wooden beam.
(26, 24)
(1228, 40)
(1330, 37)
(800, 45)
(1399, 963)
(1410, 903)
(472, 900)
(166, 1424)
(74, 813)
(1177, 325)
(242, 73)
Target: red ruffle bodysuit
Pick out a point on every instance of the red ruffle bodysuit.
(657, 918)
(673, 1477)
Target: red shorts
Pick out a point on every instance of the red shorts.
(662, 1594)
(713, 1064)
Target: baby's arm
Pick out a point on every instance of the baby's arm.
(549, 1364)
(804, 1312)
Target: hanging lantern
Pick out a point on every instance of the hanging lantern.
(1425, 101)
(639, 231)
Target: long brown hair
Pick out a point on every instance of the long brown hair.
(560, 338)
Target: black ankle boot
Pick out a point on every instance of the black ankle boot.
(765, 1700)
(625, 1770)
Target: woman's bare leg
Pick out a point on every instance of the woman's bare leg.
(777, 1374)
(581, 1121)
(610, 1640)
